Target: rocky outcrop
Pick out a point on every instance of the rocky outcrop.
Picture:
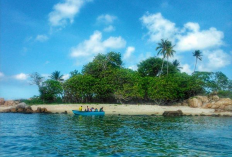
(173, 113)
(41, 110)
(2, 101)
(212, 102)
(23, 108)
(8, 102)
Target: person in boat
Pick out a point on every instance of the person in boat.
(87, 109)
(96, 110)
(92, 109)
(101, 109)
(80, 108)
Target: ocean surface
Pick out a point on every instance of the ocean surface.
(69, 135)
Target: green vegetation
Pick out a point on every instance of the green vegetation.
(105, 80)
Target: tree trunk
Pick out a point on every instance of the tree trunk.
(195, 64)
(162, 67)
(167, 65)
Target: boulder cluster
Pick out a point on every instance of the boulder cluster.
(17, 107)
(8, 103)
(209, 102)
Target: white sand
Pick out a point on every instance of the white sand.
(116, 109)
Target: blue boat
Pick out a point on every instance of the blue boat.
(84, 113)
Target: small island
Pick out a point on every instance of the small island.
(155, 88)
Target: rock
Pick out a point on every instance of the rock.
(38, 110)
(43, 110)
(21, 105)
(6, 111)
(9, 103)
(29, 107)
(173, 113)
(228, 108)
(28, 111)
(13, 110)
(224, 101)
(65, 112)
(20, 110)
(215, 98)
(204, 99)
(194, 102)
(185, 104)
(2, 101)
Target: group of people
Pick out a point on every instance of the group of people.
(92, 109)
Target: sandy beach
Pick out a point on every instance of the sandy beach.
(117, 109)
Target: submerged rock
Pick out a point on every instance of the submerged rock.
(173, 113)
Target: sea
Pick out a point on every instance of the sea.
(111, 135)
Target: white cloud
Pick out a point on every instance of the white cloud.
(213, 60)
(65, 12)
(128, 53)
(195, 39)
(106, 19)
(1, 75)
(21, 76)
(95, 45)
(41, 38)
(109, 29)
(133, 67)
(190, 37)
(186, 69)
(66, 76)
(158, 27)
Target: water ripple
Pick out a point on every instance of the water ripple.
(66, 135)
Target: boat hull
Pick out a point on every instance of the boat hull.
(83, 113)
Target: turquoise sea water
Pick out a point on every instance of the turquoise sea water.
(67, 135)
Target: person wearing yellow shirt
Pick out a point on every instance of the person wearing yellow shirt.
(80, 108)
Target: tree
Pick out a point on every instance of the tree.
(36, 79)
(169, 52)
(176, 64)
(151, 67)
(50, 90)
(57, 76)
(162, 47)
(74, 73)
(102, 64)
(198, 55)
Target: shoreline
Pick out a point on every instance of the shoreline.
(118, 109)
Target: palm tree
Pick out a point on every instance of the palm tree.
(162, 47)
(198, 55)
(169, 52)
(57, 76)
(176, 64)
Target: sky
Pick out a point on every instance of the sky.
(63, 35)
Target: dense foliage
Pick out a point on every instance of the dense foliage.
(105, 80)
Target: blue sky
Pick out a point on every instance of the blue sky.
(45, 36)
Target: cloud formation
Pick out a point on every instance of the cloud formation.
(65, 12)
(188, 38)
(158, 27)
(41, 38)
(214, 60)
(129, 52)
(95, 45)
(186, 69)
(66, 76)
(110, 28)
(106, 19)
(21, 76)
